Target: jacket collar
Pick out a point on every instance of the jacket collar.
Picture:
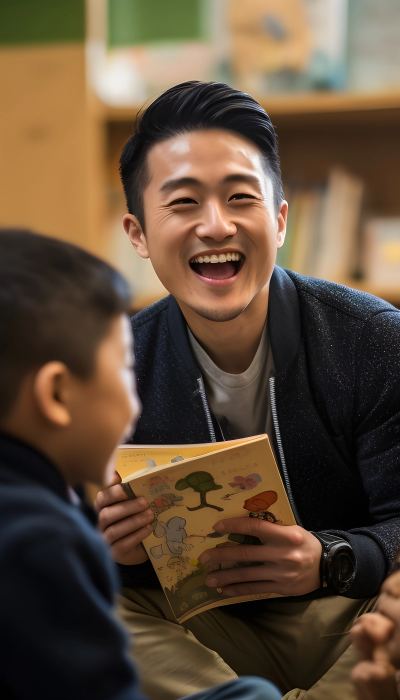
(284, 321)
(284, 324)
(20, 462)
(180, 338)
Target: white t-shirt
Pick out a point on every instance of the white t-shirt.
(240, 402)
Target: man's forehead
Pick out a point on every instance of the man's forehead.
(179, 156)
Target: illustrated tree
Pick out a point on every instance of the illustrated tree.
(202, 483)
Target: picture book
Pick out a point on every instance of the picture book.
(191, 487)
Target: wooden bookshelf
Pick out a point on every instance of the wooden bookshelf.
(358, 132)
(301, 103)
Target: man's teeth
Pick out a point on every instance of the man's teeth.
(228, 257)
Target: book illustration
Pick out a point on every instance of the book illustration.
(162, 503)
(258, 506)
(188, 496)
(177, 562)
(158, 484)
(209, 535)
(190, 584)
(202, 483)
(151, 463)
(188, 588)
(242, 483)
(174, 533)
(246, 482)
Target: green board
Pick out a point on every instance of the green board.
(41, 21)
(133, 22)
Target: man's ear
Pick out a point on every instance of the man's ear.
(51, 391)
(136, 235)
(282, 220)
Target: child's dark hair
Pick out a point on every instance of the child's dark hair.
(194, 106)
(56, 303)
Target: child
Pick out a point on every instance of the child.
(67, 397)
(377, 639)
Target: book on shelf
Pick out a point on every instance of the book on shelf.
(189, 488)
(381, 253)
(305, 233)
(323, 226)
(340, 218)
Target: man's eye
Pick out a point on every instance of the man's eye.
(241, 195)
(183, 200)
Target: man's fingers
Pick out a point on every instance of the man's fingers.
(246, 574)
(120, 511)
(113, 494)
(125, 545)
(125, 527)
(241, 553)
(273, 533)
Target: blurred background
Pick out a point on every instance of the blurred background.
(73, 74)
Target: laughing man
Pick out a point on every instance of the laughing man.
(242, 347)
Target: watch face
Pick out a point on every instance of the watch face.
(343, 568)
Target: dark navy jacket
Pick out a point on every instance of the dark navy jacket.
(58, 638)
(337, 391)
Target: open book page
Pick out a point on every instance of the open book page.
(189, 496)
(133, 458)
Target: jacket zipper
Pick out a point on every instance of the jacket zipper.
(280, 449)
(206, 409)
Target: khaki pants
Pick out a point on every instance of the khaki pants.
(301, 646)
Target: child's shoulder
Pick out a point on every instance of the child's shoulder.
(35, 522)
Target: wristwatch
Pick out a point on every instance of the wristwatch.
(338, 563)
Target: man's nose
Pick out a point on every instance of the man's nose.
(215, 223)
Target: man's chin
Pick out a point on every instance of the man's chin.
(218, 315)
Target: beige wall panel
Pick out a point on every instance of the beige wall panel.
(44, 144)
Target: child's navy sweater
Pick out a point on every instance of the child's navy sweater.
(58, 637)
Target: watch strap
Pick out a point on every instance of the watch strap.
(333, 546)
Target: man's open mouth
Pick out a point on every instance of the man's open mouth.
(217, 267)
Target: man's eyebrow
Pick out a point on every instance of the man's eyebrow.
(242, 177)
(174, 184)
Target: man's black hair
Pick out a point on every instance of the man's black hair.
(56, 303)
(194, 106)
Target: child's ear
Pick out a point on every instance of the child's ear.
(51, 391)
(136, 235)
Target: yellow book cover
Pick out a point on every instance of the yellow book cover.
(191, 487)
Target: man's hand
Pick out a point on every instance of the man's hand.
(290, 558)
(124, 522)
(374, 677)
